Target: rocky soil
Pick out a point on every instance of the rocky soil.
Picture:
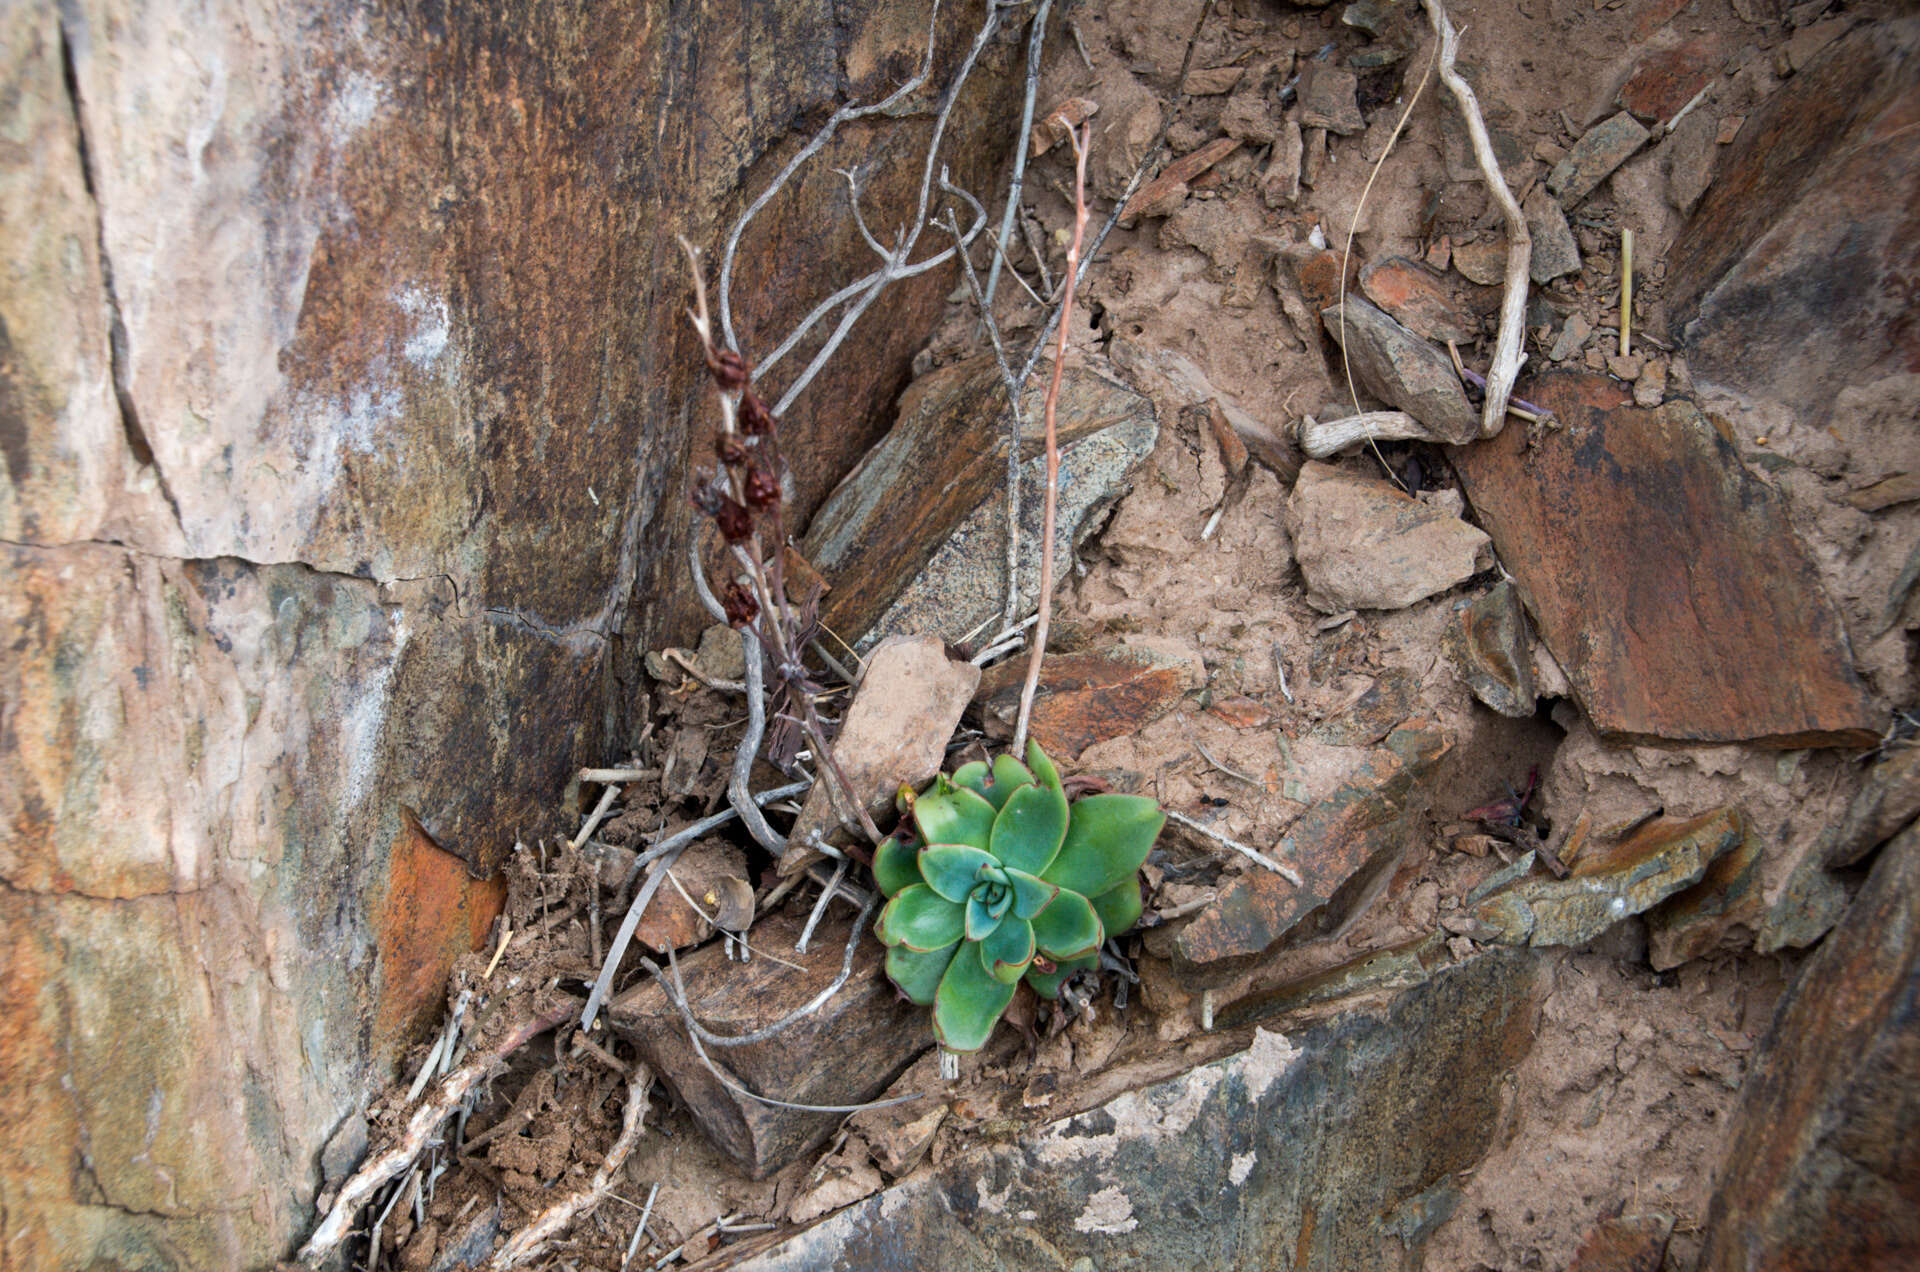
(1589, 742)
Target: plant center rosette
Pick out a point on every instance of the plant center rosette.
(993, 877)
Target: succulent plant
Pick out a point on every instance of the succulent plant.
(993, 876)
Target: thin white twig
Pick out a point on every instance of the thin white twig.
(1505, 367)
(599, 815)
(1251, 854)
(640, 1229)
(820, 906)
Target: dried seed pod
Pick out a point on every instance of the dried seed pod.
(762, 489)
(728, 368)
(731, 450)
(740, 607)
(755, 419)
(735, 522)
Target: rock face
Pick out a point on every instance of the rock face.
(1089, 697)
(929, 496)
(1824, 1168)
(1793, 275)
(345, 409)
(1665, 578)
(1338, 1148)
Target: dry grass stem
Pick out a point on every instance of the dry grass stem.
(1626, 293)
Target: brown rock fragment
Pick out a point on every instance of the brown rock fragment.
(1667, 79)
(1665, 578)
(703, 872)
(1062, 119)
(1153, 198)
(1701, 919)
(1362, 822)
(846, 1052)
(1092, 697)
(1824, 1166)
(1484, 262)
(1887, 801)
(1631, 1243)
(1280, 183)
(1418, 301)
(1212, 80)
(1364, 545)
(1554, 250)
(1491, 648)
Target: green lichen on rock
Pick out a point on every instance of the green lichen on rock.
(993, 877)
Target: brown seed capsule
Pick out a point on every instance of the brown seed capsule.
(739, 605)
(762, 489)
(731, 450)
(735, 522)
(755, 419)
(728, 368)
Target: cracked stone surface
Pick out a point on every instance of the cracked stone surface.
(345, 406)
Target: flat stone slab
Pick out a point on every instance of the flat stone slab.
(1823, 1170)
(847, 1052)
(1090, 697)
(1341, 1147)
(1666, 578)
(943, 460)
(1334, 841)
(1362, 544)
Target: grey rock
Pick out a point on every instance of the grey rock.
(1280, 183)
(1399, 368)
(1213, 1169)
(1888, 800)
(1554, 250)
(1328, 99)
(1593, 158)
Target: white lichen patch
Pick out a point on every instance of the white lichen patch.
(1108, 1211)
(1266, 1058)
(1241, 1167)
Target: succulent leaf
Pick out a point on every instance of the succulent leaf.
(1047, 984)
(1119, 908)
(917, 974)
(950, 814)
(1008, 949)
(922, 920)
(1043, 770)
(980, 921)
(968, 1003)
(994, 784)
(1107, 839)
(1030, 893)
(1028, 832)
(895, 863)
(952, 870)
(1068, 927)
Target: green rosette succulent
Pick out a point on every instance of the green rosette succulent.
(993, 876)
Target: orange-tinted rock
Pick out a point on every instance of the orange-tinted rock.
(1421, 302)
(1317, 270)
(1794, 275)
(1368, 817)
(847, 1052)
(1706, 915)
(1666, 579)
(1666, 80)
(1823, 1170)
(1239, 711)
(1164, 193)
(1095, 696)
(1631, 1243)
(434, 911)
